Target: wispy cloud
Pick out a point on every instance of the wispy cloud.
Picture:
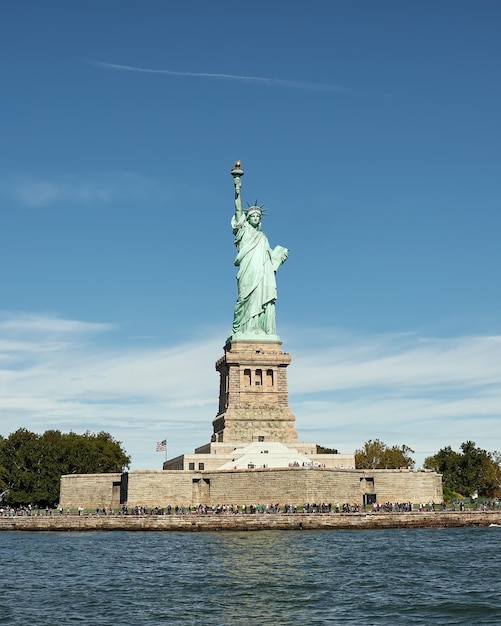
(424, 392)
(46, 323)
(402, 361)
(90, 190)
(257, 80)
(42, 193)
(56, 373)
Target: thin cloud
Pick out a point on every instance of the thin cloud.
(426, 393)
(401, 361)
(42, 193)
(46, 323)
(88, 190)
(257, 80)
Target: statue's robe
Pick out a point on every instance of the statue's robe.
(257, 287)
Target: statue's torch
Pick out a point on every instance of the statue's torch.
(237, 172)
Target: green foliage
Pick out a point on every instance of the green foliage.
(450, 495)
(31, 465)
(3, 470)
(377, 455)
(471, 471)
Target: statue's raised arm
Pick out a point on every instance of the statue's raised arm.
(254, 316)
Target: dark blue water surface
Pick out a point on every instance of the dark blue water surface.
(445, 576)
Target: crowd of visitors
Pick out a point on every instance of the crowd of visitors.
(258, 509)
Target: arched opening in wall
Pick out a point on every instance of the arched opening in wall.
(259, 378)
(124, 488)
(370, 498)
(247, 378)
(269, 379)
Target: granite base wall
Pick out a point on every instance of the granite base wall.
(90, 490)
(259, 486)
(295, 521)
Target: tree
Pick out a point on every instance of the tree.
(471, 471)
(377, 455)
(31, 465)
(3, 471)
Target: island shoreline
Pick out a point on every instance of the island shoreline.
(245, 522)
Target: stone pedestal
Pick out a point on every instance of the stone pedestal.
(253, 396)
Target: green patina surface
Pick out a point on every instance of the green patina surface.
(257, 262)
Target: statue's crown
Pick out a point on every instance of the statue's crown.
(255, 208)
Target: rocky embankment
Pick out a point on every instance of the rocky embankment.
(240, 522)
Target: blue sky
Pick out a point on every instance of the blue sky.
(371, 132)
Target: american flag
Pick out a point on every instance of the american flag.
(161, 446)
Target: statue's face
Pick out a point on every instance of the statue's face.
(254, 219)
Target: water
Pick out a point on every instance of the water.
(391, 577)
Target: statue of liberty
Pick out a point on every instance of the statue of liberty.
(257, 263)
